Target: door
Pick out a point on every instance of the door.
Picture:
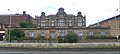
(52, 35)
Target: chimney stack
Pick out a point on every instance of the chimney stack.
(24, 12)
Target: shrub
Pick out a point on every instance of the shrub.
(17, 34)
(71, 38)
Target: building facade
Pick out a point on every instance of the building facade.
(52, 26)
(60, 24)
(81, 32)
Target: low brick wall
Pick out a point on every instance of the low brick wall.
(58, 45)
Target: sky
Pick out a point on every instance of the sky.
(95, 10)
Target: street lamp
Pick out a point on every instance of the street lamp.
(10, 24)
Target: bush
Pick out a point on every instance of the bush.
(71, 38)
(27, 24)
(17, 34)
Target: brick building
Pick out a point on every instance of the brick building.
(15, 19)
(113, 23)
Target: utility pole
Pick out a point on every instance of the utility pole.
(10, 24)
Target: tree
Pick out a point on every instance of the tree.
(26, 24)
(71, 38)
(17, 34)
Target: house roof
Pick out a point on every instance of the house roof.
(106, 19)
(15, 19)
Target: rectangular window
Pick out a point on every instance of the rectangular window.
(42, 33)
(83, 23)
(109, 21)
(52, 35)
(91, 33)
(79, 20)
(38, 24)
(52, 23)
(31, 34)
(60, 23)
(102, 33)
(117, 18)
(83, 19)
(42, 23)
(70, 23)
(80, 33)
(61, 32)
(79, 24)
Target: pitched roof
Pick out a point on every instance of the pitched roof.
(15, 19)
(106, 20)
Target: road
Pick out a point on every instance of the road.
(58, 51)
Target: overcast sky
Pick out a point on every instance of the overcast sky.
(95, 10)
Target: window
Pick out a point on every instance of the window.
(42, 33)
(31, 34)
(60, 23)
(70, 23)
(83, 23)
(102, 33)
(42, 23)
(91, 33)
(83, 19)
(117, 18)
(79, 24)
(79, 20)
(109, 21)
(52, 23)
(61, 32)
(52, 35)
(38, 24)
(80, 33)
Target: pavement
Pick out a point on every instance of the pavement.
(58, 51)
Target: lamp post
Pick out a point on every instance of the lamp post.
(10, 24)
(117, 25)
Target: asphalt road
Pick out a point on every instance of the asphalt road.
(58, 51)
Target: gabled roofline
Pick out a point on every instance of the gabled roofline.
(106, 19)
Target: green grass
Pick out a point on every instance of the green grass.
(59, 46)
